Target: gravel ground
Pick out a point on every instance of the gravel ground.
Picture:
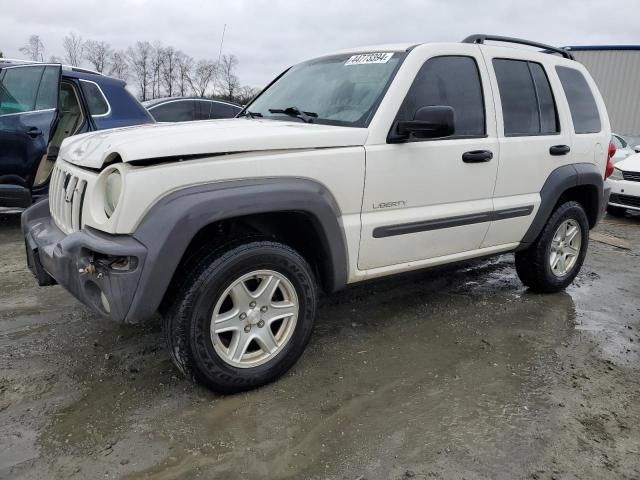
(449, 373)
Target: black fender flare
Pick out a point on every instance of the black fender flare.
(170, 225)
(559, 181)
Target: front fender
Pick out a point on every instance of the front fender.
(171, 224)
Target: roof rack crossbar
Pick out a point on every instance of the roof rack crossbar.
(481, 38)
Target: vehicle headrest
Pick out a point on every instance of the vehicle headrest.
(68, 101)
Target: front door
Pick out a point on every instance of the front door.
(428, 198)
(28, 109)
(535, 137)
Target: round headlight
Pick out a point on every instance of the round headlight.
(616, 175)
(112, 189)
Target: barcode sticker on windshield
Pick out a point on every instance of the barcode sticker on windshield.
(365, 58)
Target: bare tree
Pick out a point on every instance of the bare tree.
(119, 67)
(185, 66)
(97, 54)
(140, 56)
(157, 57)
(169, 70)
(228, 81)
(74, 49)
(245, 94)
(203, 74)
(34, 49)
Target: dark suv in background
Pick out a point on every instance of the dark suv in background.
(41, 104)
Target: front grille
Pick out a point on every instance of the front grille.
(625, 200)
(631, 176)
(66, 196)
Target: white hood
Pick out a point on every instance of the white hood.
(630, 164)
(202, 138)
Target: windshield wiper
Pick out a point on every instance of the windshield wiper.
(306, 117)
(249, 113)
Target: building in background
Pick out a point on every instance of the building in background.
(616, 70)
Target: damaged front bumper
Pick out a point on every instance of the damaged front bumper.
(102, 271)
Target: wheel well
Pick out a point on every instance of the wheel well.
(299, 230)
(585, 195)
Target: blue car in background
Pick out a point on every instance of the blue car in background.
(41, 104)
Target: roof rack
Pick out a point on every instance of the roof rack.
(81, 69)
(69, 68)
(481, 38)
(14, 60)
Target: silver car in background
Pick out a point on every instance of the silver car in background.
(186, 109)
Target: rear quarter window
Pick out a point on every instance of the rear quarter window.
(584, 111)
(96, 101)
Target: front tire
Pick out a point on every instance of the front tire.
(243, 316)
(552, 262)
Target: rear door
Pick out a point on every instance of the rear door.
(534, 132)
(28, 111)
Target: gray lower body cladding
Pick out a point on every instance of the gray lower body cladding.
(561, 180)
(157, 246)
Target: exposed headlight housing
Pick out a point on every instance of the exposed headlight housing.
(616, 175)
(112, 191)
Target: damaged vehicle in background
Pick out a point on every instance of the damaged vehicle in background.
(623, 149)
(625, 187)
(41, 104)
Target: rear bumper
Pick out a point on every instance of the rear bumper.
(606, 194)
(83, 262)
(14, 196)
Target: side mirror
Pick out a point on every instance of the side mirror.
(428, 122)
(637, 148)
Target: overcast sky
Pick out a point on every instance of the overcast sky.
(269, 35)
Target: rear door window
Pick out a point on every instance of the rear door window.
(202, 108)
(48, 90)
(546, 103)
(96, 101)
(528, 106)
(584, 111)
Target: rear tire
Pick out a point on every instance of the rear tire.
(552, 262)
(263, 298)
(616, 211)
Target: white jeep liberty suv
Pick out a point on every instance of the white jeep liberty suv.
(358, 164)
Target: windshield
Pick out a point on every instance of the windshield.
(340, 90)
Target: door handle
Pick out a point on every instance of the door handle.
(34, 132)
(559, 150)
(477, 156)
